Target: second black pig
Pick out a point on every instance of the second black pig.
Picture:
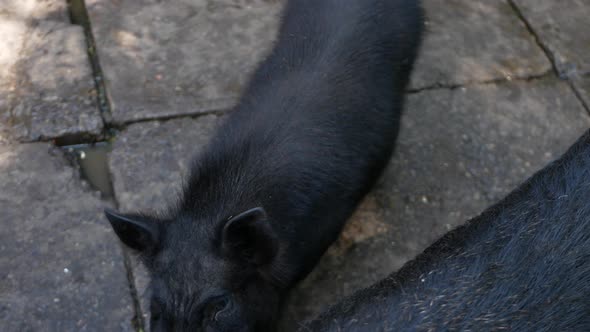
(523, 265)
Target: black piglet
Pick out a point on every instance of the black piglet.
(311, 134)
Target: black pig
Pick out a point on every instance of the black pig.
(311, 134)
(522, 265)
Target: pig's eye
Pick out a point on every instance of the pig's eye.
(217, 307)
(155, 310)
(157, 320)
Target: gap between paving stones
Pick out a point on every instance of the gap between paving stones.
(537, 39)
(197, 114)
(79, 16)
(578, 95)
(137, 321)
(497, 81)
(72, 154)
(548, 54)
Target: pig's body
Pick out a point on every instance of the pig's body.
(316, 126)
(523, 265)
(312, 133)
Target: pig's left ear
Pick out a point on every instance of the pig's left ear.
(249, 238)
(136, 232)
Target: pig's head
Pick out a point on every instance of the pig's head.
(206, 275)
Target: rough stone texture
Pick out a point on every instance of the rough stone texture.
(474, 41)
(55, 93)
(161, 59)
(35, 9)
(459, 151)
(148, 160)
(563, 28)
(12, 36)
(61, 268)
(46, 84)
(582, 86)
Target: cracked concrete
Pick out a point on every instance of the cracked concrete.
(563, 29)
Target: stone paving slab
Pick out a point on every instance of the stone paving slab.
(35, 9)
(148, 160)
(190, 56)
(61, 268)
(459, 151)
(46, 84)
(563, 27)
(475, 41)
(55, 90)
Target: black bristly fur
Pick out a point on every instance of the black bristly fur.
(312, 133)
(523, 265)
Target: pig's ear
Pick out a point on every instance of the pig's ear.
(137, 232)
(249, 238)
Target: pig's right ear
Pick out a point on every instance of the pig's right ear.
(249, 238)
(137, 232)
